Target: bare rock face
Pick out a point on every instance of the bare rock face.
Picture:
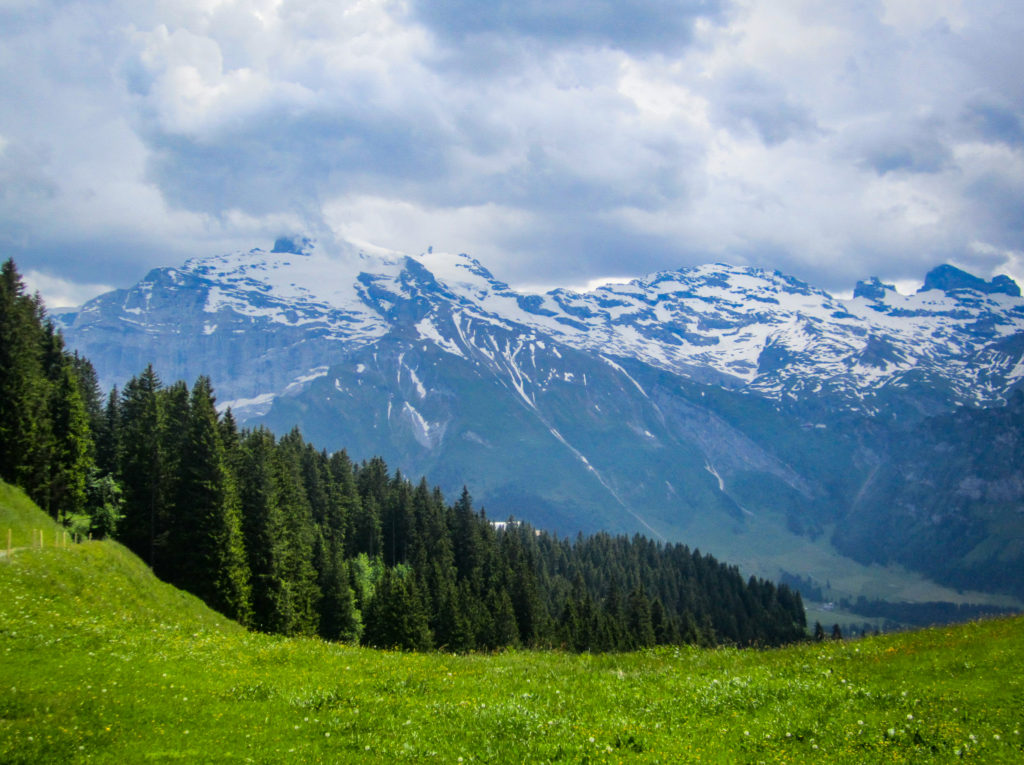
(951, 279)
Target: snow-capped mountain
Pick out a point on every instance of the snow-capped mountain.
(760, 331)
(706, 404)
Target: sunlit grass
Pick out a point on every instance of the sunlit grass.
(100, 662)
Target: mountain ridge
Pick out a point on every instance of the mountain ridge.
(716, 405)
(696, 322)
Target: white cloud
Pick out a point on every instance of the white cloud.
(61, 293)
(833, 140)
(403, 226)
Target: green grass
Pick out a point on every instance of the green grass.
(100, 662)
(20, 516)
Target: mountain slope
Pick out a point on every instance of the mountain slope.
(102, 663)
(735, 409)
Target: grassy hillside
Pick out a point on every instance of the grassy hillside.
(100, 662)
(20, 516)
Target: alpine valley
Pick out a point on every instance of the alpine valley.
(866, 447)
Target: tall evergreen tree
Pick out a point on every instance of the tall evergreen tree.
(265, 532)
(108, 435)
(89, 389)
(23, 384)
(142, 470)
(395, 617)
(71, 447)
(300, 536)
(207, 538)
(639, 621)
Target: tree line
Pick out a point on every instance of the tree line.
(288, 539)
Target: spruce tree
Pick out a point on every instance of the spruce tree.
(141, 469)
(339, 619)
(108, 435)
(206, 530)
(265, 532)
(503, 618)
(23, 384)
(300, 536)
(71, 450)
(639, 620)
(89, 389)
(395, 617)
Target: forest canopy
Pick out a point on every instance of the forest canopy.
(289, 539)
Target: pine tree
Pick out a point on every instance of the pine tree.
(23, 384)
(141, 469)
(265, 532)
(503, 616)
(71, 447)
(639, 620)
(343, 498)
(207, 537)
(89, 389)
(395, 617)
(397, 521)
(452, 630)
(339, 619)
(819, 632)
(300, 536)
(108, 435)
(364, 529)
(466, 541)
(521, 582)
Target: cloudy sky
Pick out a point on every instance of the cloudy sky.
(559, 142)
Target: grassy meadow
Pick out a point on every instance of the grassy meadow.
(101, 662)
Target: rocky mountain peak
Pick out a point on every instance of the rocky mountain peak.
(950, 279)
(873, 289)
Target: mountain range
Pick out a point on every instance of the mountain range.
(735, 409)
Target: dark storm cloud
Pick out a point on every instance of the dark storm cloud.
(280, 158)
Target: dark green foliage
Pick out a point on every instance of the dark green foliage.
(89, 389)
(358, 553)
(21, 375)
(105, 504)
(299, 537)
(142, 470)
(264, 530)
(289, 540)
(395, 617)
(924, 614)
(108, 435)
(45, 433)
(70, 446)
(207, 547)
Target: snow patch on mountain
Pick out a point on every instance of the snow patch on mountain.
(753, 329)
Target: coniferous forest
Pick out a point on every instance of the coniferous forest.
(288, 539)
